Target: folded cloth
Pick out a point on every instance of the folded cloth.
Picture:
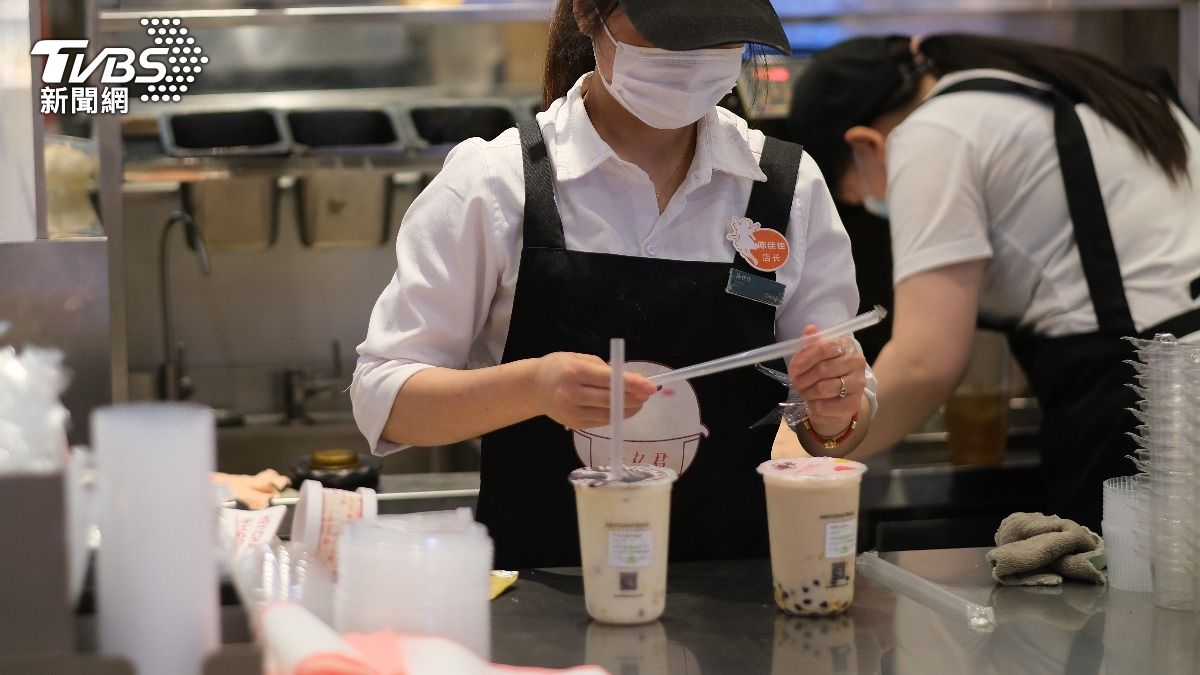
(1033, 549)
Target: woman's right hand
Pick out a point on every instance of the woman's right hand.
(573, 389)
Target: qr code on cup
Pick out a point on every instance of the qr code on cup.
(629, 581)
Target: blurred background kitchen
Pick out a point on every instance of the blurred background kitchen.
(227, 248)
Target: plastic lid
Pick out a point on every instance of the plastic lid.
(812, 468)
(635, 475)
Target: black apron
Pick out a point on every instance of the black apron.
(671, 312)
(1081, 380)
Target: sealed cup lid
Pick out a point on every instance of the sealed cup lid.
(812, 468)
(635, 475)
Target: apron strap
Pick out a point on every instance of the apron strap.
(770, 201)
(542, 227)
(1180, 325)
(1085, 203)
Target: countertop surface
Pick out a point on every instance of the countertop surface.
(720, 618)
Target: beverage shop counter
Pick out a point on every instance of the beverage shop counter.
(721, 619)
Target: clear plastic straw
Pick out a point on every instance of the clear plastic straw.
(979, 617)
(616, 402)
(785, 348)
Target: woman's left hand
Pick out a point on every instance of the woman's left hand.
(831, 375)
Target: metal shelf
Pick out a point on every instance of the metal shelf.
(128, 18)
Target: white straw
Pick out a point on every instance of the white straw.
(616, 402)
(780, 349)
(920, 589)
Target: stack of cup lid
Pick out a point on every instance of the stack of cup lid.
(1168, 437)
(426, 573)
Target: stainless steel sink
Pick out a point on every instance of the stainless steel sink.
(264, 443)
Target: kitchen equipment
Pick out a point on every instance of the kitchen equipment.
(338, 469)
(216, 134)
(344, 208)
(440, 124)
(235, 214)
(348, 206)
(345, 131)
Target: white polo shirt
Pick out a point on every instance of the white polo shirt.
(975, 175)
(458, 250)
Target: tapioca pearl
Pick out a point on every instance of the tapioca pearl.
(824, 630)
(824, 604)
(805, 589)
(808, 601)
(816, 582)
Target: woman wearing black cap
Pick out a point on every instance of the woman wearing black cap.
(632, 207)
(1040, 190)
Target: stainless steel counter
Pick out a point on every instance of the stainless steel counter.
(720, 618)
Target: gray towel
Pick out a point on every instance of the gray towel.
(1033, 549)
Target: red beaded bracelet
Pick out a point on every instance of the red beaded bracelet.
(831, 443)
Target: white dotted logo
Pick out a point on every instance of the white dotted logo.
(184, 62)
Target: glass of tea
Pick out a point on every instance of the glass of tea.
(977, 412)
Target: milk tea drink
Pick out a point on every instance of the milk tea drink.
(623, 531)
(812, 516)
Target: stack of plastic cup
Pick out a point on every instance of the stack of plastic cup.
(1167, 377)
(425, 573)
(1126, 524)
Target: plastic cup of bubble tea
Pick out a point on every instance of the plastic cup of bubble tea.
(624, 527)
(812, 517)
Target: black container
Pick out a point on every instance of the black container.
(238, 132)
(364, 474)
(446, 124)
(344, 130)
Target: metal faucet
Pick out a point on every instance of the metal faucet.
(174, 384)
(300, 386)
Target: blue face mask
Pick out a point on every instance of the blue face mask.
(877, 207)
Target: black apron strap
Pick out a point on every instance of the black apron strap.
(542, 228)
(770, 202)
(1180, 325)
(1085, 203)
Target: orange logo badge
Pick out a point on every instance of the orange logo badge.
(765, 249)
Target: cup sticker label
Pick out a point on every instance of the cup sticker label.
(630, 548)
(841, 539)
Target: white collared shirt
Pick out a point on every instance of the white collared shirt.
(459, 246)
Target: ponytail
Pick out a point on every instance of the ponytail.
(569, 52)
(1141, 112)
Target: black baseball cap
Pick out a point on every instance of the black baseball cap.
(844, 86)
(699, 24)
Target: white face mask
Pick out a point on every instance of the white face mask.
(668, 89)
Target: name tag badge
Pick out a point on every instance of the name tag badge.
(754, 287)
